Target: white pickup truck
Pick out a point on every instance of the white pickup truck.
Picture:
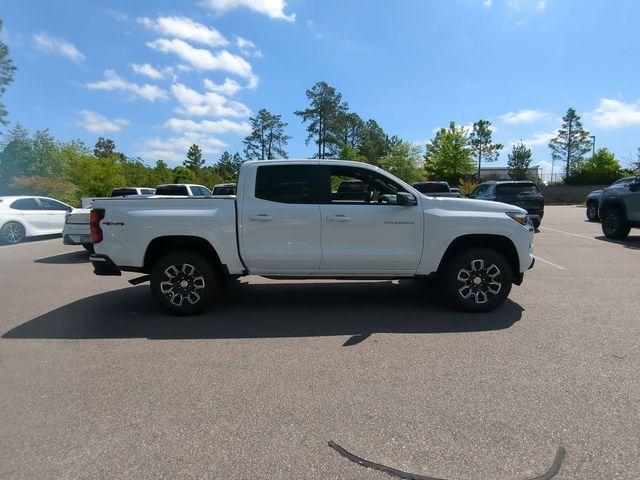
(291, 219)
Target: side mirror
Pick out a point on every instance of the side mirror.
(405, 199)
(634, 187)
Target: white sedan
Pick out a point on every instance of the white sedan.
(22, 217)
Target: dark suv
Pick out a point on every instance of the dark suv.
(521, 193)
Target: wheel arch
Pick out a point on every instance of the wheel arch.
(612, 204)
(165, 244)
(499, 243)
(25, 225)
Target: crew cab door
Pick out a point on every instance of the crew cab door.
(280, 218)
(363, 229)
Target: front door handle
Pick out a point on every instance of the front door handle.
(261, 217)
(339, 218)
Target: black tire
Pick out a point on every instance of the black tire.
(536, 222)
(88, 247)
(12, 233)
(192, 290)
(476, 293)
(592, 211)
(614, 224)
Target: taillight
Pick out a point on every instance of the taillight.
(95, 216)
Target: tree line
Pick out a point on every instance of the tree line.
(37, 163)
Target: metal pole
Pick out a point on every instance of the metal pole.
(593, 145)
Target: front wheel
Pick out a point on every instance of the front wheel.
(477, 280)
(592, 212)
(12, 232)
(183, 283)
(614, 225)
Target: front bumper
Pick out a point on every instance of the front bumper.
(103, 265)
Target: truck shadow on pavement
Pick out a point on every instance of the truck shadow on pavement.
(632, 241)
(81, 256)
(299, 309)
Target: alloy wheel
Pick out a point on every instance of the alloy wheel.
(478, 281)
(13, 233)
(182, 283)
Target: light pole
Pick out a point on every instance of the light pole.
(593, 145)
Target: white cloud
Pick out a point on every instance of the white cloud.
(209, 104)
(536, 5)
(187, 29)
(248, 48)
(147, 70)
(174, 149)
(202, 59)
(113, 81)
(96, 123)
(271, 8)
(182, 125)
(487, 3)
(525, 116)
(615, 114)
(229, 87)
(539, 139)
(58, 46)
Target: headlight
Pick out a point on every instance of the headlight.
(519, 217)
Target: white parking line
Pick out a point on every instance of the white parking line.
(560, 267)
(568, 233)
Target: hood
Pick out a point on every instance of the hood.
(470, 205)
(595, 193)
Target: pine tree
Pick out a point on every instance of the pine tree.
(6, 75)
(519, 161)
(324, 113)
(194, 160)
(482, 146)
(571, 144)
(267, 139)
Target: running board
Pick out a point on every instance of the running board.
(139, 280)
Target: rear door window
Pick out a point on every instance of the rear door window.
(288, 183)
(25, 204)
(517, 190)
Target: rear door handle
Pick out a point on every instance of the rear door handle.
(339, 218)
(261, 218)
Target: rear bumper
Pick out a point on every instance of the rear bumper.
(72, 239)
(103, 265)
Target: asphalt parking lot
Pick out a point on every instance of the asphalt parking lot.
(98, 383)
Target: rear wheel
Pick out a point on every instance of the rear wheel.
(183, 283)
(477, 280)
(88, 247)
(592, 211)
(12, 232)
(614, 224)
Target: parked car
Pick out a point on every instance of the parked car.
(128, 191)
(619, 209)
(436, 189)
(288, 221)
(224, 189)
(522, 193)
(24, 216)
(182, 190)
(76, 222)
(593, 199)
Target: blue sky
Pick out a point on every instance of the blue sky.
(158, 75)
